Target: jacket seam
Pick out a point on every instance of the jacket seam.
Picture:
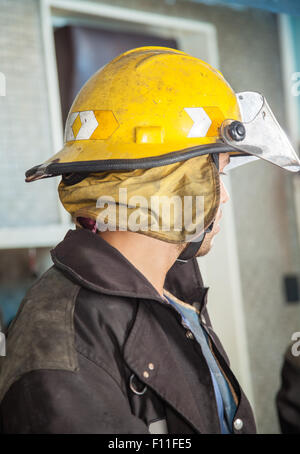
(105, 369)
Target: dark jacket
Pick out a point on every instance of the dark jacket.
(92, 333)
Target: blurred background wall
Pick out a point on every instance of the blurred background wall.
(266, 238)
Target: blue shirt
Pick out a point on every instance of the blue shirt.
(224, 399)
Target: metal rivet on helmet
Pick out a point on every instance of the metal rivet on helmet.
(236, 131)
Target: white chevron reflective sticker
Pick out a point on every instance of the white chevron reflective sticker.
(69, 135)
(201, 121)
(80, 125)
(88, 125)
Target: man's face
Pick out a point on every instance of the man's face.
(224, 159)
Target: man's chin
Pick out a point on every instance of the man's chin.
(205, 247)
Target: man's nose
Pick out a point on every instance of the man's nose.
(224, 194)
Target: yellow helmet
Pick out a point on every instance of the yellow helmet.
(140, 119)
(154, 106)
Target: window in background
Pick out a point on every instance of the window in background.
(81, 51)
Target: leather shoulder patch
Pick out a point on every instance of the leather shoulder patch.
(42, 334)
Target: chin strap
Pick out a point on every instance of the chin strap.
(192, 248)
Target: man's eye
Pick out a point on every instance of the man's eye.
(223, 173)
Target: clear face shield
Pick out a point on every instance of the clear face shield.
(258, 134)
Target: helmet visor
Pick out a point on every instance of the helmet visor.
(258, 134)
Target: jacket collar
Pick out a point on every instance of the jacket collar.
(93, 263)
